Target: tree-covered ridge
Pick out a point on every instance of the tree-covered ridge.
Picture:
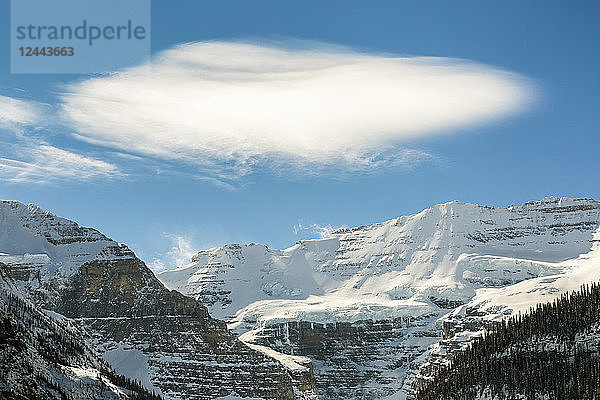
(549, 353)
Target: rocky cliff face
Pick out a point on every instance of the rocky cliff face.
(344, 300)
(136, 322)
(47, 358)
(363, 359)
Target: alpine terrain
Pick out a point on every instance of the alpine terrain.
(377, 307)
(373, 312)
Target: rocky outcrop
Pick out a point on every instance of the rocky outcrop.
(190, 355)
(122, 287)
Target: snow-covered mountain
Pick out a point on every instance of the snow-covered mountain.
(43, 248)
(385, 289)
(157, 336)
(366, 310)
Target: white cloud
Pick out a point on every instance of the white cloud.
(314, 230)
(15, 111)
(228, 107)
(24, 158)
(181, 252)
(42, 163)
(16, 115)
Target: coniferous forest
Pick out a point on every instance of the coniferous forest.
(549, 353)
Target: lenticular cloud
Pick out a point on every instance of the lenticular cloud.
(240, 104)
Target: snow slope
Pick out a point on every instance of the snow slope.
(407, 265)
(496, 303)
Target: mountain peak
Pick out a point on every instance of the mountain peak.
(416, 256)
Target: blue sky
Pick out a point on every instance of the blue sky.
(167, 200)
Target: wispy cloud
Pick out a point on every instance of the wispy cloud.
(181, 252)
(24, 158)
(314, 230)
(229, 108)
(42, 163)
(15, 112)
